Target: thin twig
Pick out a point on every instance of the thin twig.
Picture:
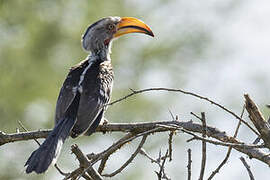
(171, 137)
(84, 163)
(74, 174)
(85, 176)
(143, 152)
(189, 164)
(248, 168)
(129, 137)
(203, 147)
(105, 154)
(198, 117)
(170, 144)
(171, 115)
(234, 145)
(113, 148)
(229, 149)
(129, 160)
(24, 128)
(239, 122)
(60, 171)
(103, 164)
(161, 174)
(134, 92)
(162, 168)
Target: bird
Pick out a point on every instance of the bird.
(86, 90)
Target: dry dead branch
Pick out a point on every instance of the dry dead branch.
(131, 131)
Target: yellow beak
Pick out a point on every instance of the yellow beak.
(132, 25)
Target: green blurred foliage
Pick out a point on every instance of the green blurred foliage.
(40, 41)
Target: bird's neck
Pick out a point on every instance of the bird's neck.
(101, 55)
(96, 57)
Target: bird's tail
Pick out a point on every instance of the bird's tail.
(40, 159)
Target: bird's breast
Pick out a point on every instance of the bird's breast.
(106, 80)
(98, 80)
(106, 73)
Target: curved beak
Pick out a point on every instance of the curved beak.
(132, 25)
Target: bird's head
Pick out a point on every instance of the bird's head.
(99, 35)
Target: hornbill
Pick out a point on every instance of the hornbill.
(86, 90)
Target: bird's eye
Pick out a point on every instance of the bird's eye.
(110, 26)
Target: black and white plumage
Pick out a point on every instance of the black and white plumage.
(86, 90)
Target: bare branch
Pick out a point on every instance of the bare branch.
(134, 92)
(135, 130)
(84, 163)
(22, 136)
(234, 145)
(248, 168)
(189, 164)
(251, 151)
(172, 115)
(129, 160)
(74, 174)
(161, 174)
(143, 152)
(258, 120)
(203, 146)
(195, 115)
(229, 149)
(126, 127)
(239, 122)
(60, 171)
(26, 130)
(170, 139)
(105, 154)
